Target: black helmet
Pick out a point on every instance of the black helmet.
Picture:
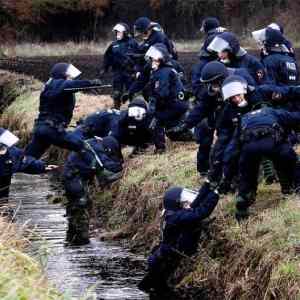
(226, 41)
(172, 198)
(273, 38)
(213, 71)
(209, 23)
(141, 25)
(63, 70)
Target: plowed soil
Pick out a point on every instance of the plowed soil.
(39, 67)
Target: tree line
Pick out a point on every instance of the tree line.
(78, 20)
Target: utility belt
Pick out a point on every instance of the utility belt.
(257, 133)
(60, 126)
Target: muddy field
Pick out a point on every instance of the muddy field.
(39, 67)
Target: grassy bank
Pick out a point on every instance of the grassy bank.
(21, 276)
(258, 259)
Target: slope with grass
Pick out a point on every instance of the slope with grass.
(255, 260)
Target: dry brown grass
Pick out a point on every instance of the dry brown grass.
(21, 277)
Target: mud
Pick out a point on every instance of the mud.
(39, 67)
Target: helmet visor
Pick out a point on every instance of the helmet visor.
(188, 196)
(259, 35)
(218, 45)
(8, 139)
(233, 88)
(119, 28)
(153, 53)
(72, 72)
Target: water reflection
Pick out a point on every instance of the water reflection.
(106, 269)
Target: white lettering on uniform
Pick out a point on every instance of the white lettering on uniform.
(291, 66)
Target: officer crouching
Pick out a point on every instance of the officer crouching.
(262, 133)
(180, 232)
(79, 175)
(13, 160)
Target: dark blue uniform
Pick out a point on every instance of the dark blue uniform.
(78, 173)
(55, 114)
(155, 38)
(239, 58)
(165, 86)
(131, 132)
(14, 161)
(229, 120)
(205, 57)
(180, 232)
(117, 57)
(204, 117)
(98, 124)
(262, 133)
(143, 79)
(281, 68)
(252, 64)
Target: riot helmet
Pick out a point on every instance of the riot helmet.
(64, 71)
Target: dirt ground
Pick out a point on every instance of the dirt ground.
(39, 67)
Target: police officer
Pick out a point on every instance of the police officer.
(13, 160)
(147, 30)
(232, 55)
(282, 69)
(287, 43)
(166, 90)
(184, 211)
(141, 82)
(210, 27)
(132, 128)
(117, 56)
(78, 177)
(98, 124)
(209, 105)
(262, 134)
(57, 102)
(229, 119)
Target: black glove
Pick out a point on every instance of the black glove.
(153, 124)
(96, 82)
(179, 128)
(102, 72)
(126, 97)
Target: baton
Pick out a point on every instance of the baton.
(96, 87)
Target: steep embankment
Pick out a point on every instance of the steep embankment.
(256, 260)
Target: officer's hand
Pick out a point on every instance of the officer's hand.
(276, 96)
(102, 72)
(126, 97)
(153, 124)
(51, 168)
(96, 82)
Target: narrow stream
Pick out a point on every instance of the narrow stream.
(104, 269)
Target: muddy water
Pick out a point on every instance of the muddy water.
(105, 270)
